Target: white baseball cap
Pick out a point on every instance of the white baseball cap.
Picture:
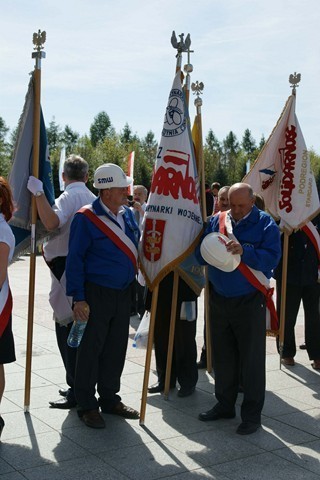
(110, 175)
(214, 251)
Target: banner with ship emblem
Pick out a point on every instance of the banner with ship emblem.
(173, 222)
(282, 173)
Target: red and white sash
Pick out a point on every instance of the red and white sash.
(255, 277)
(5, 306)
(113, 232)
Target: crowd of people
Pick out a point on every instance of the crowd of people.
(95, 279)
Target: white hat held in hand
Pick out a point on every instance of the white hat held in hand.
(214, 251)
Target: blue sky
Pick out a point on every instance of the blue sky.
(117, 57)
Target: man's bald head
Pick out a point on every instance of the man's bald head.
(241, 200)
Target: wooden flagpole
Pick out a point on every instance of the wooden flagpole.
(197, 88)
(38, 40)
(283, 292)
(181, 46)
(285, 249)
(148, 354)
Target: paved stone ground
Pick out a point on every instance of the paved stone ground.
(53, 444)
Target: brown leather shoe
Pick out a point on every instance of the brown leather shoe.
(288, 361)
(316, 364)
(93, 419)
(123, 411)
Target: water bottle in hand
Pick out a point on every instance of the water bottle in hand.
(76, 333)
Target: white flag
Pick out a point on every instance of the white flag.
(282, 173)
(172, 222)
(130, 168)
(61, 164)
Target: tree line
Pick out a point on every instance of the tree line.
(225, 161)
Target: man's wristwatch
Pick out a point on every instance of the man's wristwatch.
(39, 193)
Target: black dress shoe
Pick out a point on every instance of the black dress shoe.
(64, 393)
(63, 403)
(186, 392)
(246, 428)
(215, 414)
(158, 388)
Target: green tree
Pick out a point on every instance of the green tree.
(100, 128)
(231, 149)
(262, 142)
(3, 130)
(248, 143)
(54, 135)
(5, 149)
(69, 137)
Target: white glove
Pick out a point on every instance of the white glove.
(34, 185)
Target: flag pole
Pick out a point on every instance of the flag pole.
(182, 46)
(283, 293)
(293, 80)
(197, 89)
(38, 40)
(153, 311)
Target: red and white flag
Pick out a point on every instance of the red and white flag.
(172, 222)
(282, 173)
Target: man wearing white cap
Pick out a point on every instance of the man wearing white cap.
(248, 237)
(101, 266)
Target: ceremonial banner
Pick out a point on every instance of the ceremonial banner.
(61, 165)
(196, 138)
(173, 222)
(282, 173)
(130, 167)
(22, 169)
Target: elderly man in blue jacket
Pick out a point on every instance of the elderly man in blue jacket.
(238, 308)
(101, 266)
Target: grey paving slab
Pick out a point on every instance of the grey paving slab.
(152, 460)
(55, 418)
(4, 466)
(31, 451)
(307, 421)
(264, 467)
(306, 456)
(128, 433)
(87, 468)
(199, 474)
(19, 424)
(219, 445)
(12, 476)
(277, 404)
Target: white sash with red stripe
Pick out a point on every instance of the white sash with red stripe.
(255, 277)
(113, 232)
(5, 305)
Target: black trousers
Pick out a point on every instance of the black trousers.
(68, 355)
(238, 327)
(184, 360)
(309, 294)
(102, 351)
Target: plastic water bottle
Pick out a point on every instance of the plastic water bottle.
(76, 333)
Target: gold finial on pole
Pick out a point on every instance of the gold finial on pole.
(197, 89)
(38, 40)
(294, 79)
(182, 46)
(188, 68)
